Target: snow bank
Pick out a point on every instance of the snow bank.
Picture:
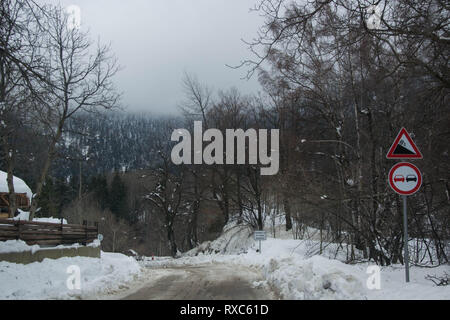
(25, 215)
(283, 263)
(19, 185)
(290, 276)
(16, 246)
(235, 239)
(289, 269)
(316, 278)
(20, 246)
(48, 279)
(394, 287)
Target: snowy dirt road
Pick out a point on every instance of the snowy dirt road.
(199, 282)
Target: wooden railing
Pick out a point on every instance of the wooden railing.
(44, 233)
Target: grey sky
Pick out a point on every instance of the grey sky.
(157, 40)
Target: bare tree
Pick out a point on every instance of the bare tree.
(19, 64)
(198, 99)
(79, 81)
(339, 88)
(167, 197)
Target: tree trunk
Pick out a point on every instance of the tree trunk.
(44, 171)
(287, 211)
(12, 195)
(172, 244)
(80, 187)
(171, 235)
(10, 180)
(239, 195)
(192, 239)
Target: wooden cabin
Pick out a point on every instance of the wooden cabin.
(22, 202)
(22, 192)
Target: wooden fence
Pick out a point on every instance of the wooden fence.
(44, 233)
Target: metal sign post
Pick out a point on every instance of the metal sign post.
(405, 179)
(258, 236)
(405, 230)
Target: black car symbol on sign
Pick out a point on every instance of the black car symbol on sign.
(411, 177)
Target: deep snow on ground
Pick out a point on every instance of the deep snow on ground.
(48, 279)
(20, 246)
(290, 270)
(16, 246)
(24, 215)
(288, 267)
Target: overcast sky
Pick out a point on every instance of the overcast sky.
(157, 40)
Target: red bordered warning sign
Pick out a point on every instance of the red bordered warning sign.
(404, 147)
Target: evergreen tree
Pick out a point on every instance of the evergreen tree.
(48, 202)
(63, 195)
(99, 186)
(118, 198)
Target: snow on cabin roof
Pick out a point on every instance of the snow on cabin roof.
(19, 185)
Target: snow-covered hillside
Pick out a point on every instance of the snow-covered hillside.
(290, 269)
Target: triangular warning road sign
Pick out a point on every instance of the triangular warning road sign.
(403, 147)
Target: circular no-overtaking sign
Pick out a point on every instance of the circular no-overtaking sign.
(405, 178)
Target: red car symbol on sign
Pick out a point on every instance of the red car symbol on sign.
(399, 178)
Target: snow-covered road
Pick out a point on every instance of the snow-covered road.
(226, 268)
(199, 282)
